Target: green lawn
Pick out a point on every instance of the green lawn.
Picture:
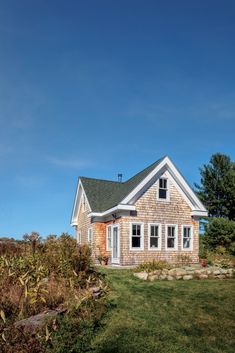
(177, 316)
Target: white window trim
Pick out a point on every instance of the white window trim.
(168, 189)
(90, 241)
(159, 238)
(79, 237)
(141, 236)
(182, 237)
(107, 228)
(176, 237)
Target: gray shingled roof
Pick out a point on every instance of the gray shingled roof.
(105, 194)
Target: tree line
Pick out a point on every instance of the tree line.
(217, 192)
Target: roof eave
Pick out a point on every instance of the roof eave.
(119, 207)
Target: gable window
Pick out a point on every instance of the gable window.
(109, 238)
(187, 237)
(90, 235)
(163, 189)
(154, 236)
(171, 237)
(136, 239)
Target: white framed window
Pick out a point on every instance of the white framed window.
(154, 236)
(79, 239)
(90, 235)
(108, 237)
(187, 237)
(163, 189)
(136, 236)
(171, 236)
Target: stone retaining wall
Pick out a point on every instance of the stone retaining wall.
(186, 273)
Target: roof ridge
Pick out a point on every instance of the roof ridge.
(110, 181)
(148, 167)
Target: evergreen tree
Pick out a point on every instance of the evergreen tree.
(217, 190)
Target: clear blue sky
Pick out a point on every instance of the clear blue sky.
(100, 87)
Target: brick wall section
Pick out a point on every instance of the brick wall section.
(176, 211)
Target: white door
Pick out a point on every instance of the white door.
(115, 245)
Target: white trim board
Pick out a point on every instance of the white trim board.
(77, 202)
(186, 191)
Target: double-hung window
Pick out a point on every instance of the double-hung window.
(154, 236)
(187, 237)
(79, 237)
(163, 192)
(171, 237)
(136, 239)
(90, 235)
(109, 238)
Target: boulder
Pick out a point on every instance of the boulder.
(152, 277)
(172, 272)
(221, 276)
(156, 272)
(170, 278)
(180, 272)
(37, 321)
(165, 271)
(187, 277)
(203, 276)
(141, 275)
(178, 277)
(162, 276)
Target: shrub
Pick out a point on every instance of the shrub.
(220, 232)
(223, 260)
(149, 266)
(58, 273)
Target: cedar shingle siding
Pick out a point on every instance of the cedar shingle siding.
(103, 195)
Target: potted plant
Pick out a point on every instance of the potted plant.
(203, 262)
(103, 259)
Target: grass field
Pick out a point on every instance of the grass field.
(167, 317)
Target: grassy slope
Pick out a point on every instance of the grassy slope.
(183, 316)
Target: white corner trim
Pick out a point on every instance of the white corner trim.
(176, 237)
(159, 238)
(77, 203)
(119, 207)
(182, 237)
(107, 228)
(141, 236)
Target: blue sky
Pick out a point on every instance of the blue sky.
(100, 87)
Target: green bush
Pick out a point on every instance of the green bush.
(149, 266)
(220, 232)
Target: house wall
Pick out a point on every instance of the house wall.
(84, 223)
(149, 210)
(98, 229)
